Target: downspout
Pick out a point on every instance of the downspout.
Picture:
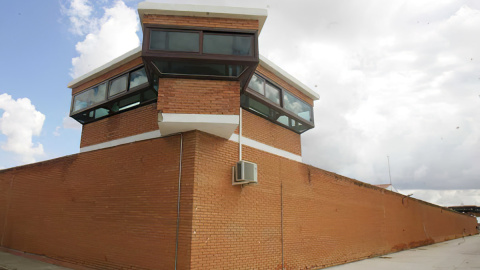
(281, 222)
(178, 197)
(240, 137)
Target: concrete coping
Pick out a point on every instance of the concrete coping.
(203, 11)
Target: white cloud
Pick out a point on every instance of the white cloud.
(67, 123)
(80, 16)
(20, 121)
(70, 123)
(106, 37)
(395, 79)
(56, 132)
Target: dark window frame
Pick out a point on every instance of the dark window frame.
(109, 84)
(172, 30)
(72, 102)
(110, 99)
(281, 111)
(240, 34)
(263, 99)
(196, 76)
(248, 61)
(201, 30)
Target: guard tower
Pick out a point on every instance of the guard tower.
(196, 68)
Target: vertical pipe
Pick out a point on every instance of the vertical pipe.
(240, 137)
(178, 198)
(389, 174)
(281, 222)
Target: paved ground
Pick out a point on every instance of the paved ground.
(12, 262)
(458, 254)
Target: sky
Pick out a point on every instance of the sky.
(397, 79)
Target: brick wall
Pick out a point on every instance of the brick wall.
(116, 208)
(129, 123)
(264, 131)
(327, 219)
(108, 209)
(200, 22)
(198, 96)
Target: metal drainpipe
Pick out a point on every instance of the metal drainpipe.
(178, 198)
(281, 222)
(240, 137)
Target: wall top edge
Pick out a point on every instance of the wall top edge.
(203, 11)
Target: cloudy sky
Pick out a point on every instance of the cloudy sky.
(396, 78)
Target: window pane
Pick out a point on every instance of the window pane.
(101, 112)
(158, 40)
(84, 116)
(174, 41)
(256, 83)
(272, 93)
(190, 68)
(89, 97)
(284, 120)
(227, 44)
(138, 77)
(270, 112)
(259, 108)
(297, 106)
(118, 85)
(149, 95)
(129, 102)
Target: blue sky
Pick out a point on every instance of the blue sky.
(36, 54)
(398, 79)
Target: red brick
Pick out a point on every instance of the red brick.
(207, 22)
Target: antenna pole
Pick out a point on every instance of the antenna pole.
(389, 174)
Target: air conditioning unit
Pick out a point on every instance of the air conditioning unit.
(244, 173)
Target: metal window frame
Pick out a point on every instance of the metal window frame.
(108, 98)
(262, 98)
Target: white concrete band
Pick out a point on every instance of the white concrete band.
(266, 148)
(135, 138)
(217, 124)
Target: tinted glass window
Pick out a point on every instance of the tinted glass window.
(297, 106)
(272, 93)
(284, 120)
(89, 97)
(190, 68)
(227, 44)
(174, 41)
(101, 112)
(84, 116)
(129, 102)
(118, 85)
(259, 107)
(256, 83)
(138, 77)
